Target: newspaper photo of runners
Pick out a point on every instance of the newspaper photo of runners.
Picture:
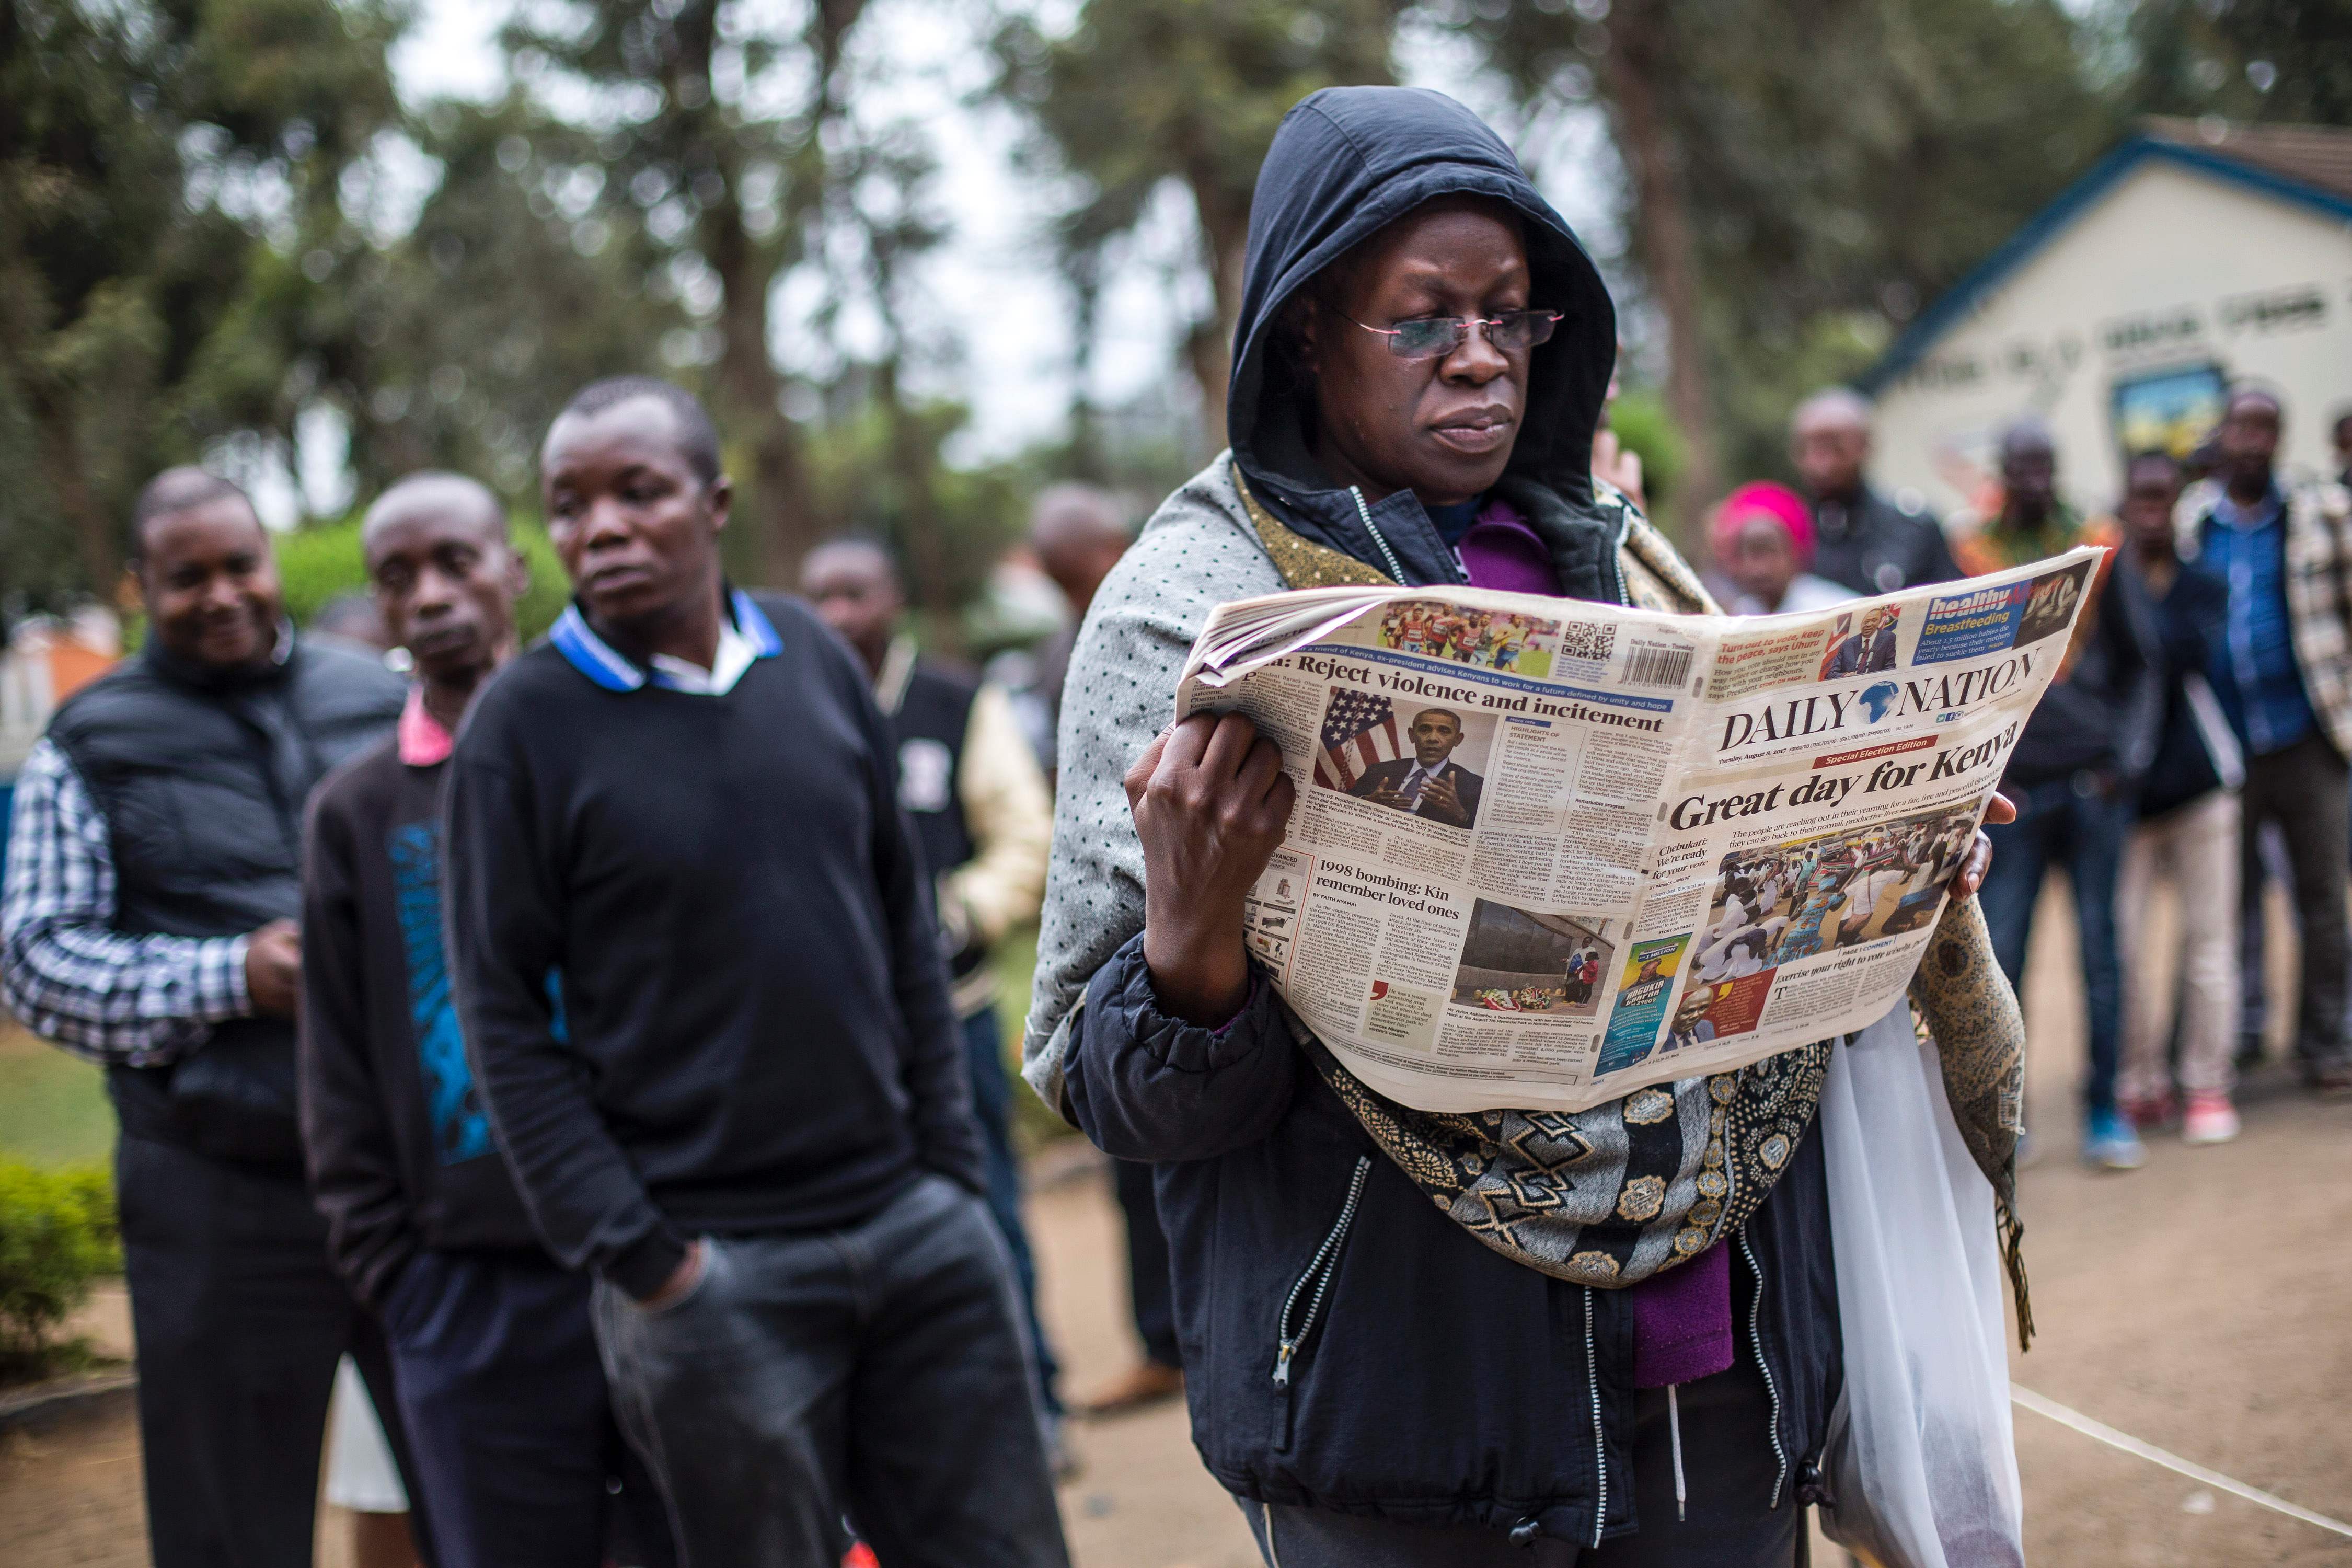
(1794, 900)
(1501, 640)
(1523, 961)
(1428, 760)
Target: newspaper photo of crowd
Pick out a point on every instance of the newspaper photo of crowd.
(1808, 896)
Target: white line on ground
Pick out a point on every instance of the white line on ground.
(2106, 1433)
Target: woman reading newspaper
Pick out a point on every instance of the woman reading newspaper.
(1612, 1335)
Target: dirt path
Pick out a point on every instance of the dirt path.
(2198, 1304)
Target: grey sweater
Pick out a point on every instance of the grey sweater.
(1197, 552)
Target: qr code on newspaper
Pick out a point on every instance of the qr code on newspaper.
(1588, 639)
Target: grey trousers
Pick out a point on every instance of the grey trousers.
(879, 1373)
(2304, 790)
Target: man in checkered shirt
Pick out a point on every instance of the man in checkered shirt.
(154, 872)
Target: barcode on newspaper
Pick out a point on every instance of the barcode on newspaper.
(1647, 665)
(1587, 639)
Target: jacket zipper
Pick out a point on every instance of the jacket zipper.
(1599, 1435)
(1756, 1336)
(1320, 1269)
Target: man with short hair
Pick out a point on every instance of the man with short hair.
(1868, 544)
(1429, 784)
(985, 818)
(500, 1391)
(700, 979)
(1078, 534)
(2283, 673)
(148, 925)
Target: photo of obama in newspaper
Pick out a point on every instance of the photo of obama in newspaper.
(1525, 961)
(1409, 758)
(1794, 900)
(1486, 640)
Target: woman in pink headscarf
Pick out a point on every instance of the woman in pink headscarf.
(1763, 539)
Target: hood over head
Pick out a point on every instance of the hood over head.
(1346, 163)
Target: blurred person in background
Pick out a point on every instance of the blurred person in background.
(148, 924)
(2074, 773)
(2342, 440)
(1420, 360)
(352, 621)
(518, 1453)
(1763, 536)
(743, 1101)
(1079, 534)
(2282, 670)
(984, 817)
(2186, 831)
(1860, 538)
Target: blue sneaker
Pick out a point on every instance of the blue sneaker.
(2109, 1142)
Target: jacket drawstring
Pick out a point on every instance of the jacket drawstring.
(1395, 566)
(1675, 1438)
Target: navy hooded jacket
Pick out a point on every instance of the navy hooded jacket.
(1432, 1381)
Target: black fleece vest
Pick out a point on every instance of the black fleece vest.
(930, 728)
(202, 783)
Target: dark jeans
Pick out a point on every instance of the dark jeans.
(992, 1104)
(2304, 790)
(2068, 823)
(1729, 1520)
(878, 1372)
(504, 1401)
(1150, 1297)
(240, 1321)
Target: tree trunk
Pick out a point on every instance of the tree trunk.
(1224, 235)
(61, 465)
(1663, 240)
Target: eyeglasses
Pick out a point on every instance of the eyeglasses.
(1512, 333)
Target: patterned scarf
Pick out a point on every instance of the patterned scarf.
(1613, 1195)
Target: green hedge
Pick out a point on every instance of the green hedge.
(58, 1234)
(318, 564)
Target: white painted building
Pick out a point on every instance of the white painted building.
(2197, 254)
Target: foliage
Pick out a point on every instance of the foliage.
(320, 564)
(1796, 170)
(158, 164)
(1643, 427)
(2286, 61)
(1142, 92)
(58, 1234)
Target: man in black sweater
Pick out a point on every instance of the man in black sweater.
(498, 1384)
(748, 1115)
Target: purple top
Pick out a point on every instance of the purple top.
(1681, 1319)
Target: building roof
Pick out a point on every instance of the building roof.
(2309, 165)
(2315, 156)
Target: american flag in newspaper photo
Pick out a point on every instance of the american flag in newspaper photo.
(1360, 731)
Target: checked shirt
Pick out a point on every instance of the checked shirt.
(103, 994)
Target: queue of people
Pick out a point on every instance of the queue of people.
(594, 1040)
(2202, 699)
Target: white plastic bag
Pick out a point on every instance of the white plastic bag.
(1920, 1458)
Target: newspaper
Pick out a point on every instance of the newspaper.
(1545, 852)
